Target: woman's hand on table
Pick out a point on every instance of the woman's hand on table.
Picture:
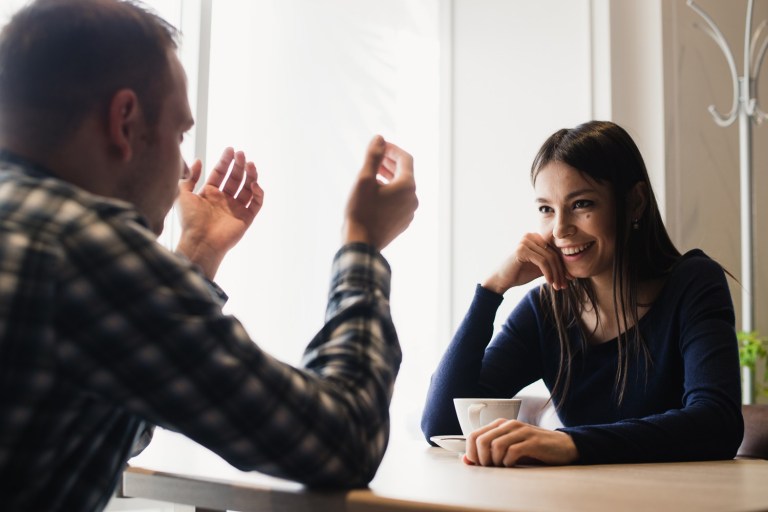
(510, 442)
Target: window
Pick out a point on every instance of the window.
(470, 87)
(301, 87)
(467, 86)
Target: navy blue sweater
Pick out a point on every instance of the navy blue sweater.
(685, 406)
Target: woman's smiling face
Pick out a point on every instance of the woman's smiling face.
(578, 219)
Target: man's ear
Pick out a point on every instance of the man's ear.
(124, 123)
(637, 200)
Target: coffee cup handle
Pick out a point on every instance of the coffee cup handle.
(474, 415)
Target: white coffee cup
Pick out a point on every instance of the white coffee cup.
(474, 413)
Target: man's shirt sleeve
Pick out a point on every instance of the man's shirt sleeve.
(140, 329)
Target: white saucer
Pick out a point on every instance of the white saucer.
(453, 443)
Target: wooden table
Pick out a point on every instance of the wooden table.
(414, 476)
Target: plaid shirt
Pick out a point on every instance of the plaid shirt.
(103, 331)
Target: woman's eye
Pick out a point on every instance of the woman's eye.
(582, 203)
(545, 209)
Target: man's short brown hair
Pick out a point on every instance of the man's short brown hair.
(60, 60)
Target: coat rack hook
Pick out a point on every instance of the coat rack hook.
(716, 35)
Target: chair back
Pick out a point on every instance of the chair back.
(755, 442)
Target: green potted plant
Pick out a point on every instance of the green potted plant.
(753, 350)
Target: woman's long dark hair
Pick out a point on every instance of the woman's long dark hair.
(606, 153)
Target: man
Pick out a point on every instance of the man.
(103, 332)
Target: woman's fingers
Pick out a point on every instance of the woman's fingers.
(472, 453)
(538, 252)
(511, 442)
(493, 444)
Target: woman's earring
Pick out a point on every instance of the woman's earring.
(635, 224)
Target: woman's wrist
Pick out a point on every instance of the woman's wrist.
(495, 285)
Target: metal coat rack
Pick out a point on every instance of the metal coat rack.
(746, 110)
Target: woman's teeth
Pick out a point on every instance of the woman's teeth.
(570, 251)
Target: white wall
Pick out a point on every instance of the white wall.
(8, 7)
(488, 81)
(703, 159)
(637, 82)
(521, 70)
(472, 88)
(301, 87)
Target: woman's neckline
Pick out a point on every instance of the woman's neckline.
(658, 289)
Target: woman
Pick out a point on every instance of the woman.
(635, 341)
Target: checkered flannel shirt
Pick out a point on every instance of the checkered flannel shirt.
(103, 332)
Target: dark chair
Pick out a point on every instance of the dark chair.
(755, 443)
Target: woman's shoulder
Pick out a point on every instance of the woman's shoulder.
(695, 272)
(696, 262)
